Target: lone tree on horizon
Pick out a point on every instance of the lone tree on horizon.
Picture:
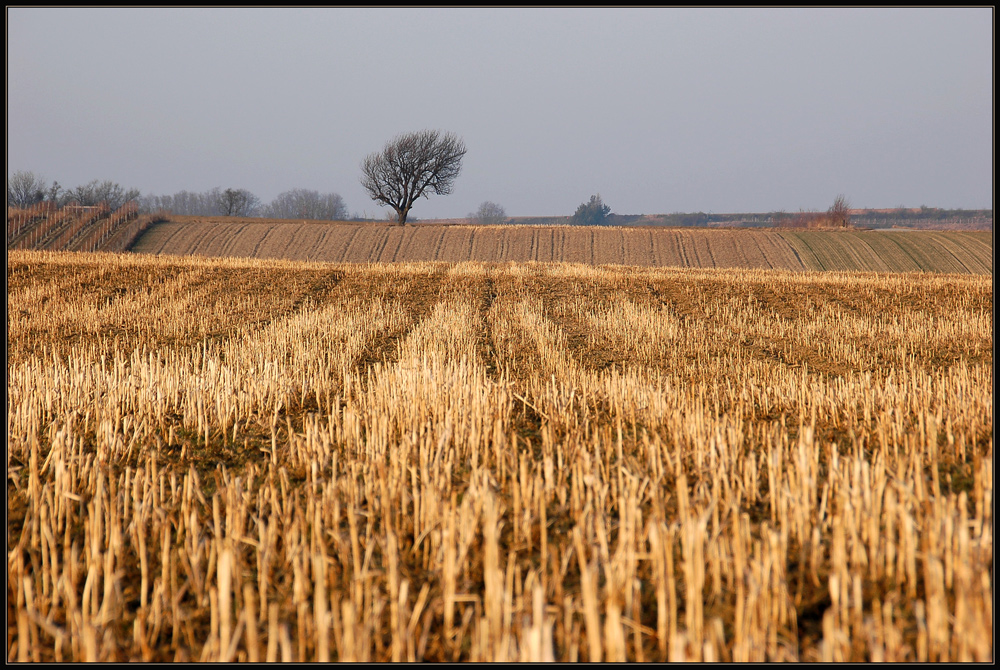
(840, 212)
(237, 202)
(489, 214)
(593, 213)
(412, 165)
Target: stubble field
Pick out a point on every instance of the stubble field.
(233, 459)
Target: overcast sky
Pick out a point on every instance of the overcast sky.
(658, 110)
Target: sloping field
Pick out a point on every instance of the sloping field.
(949, 252)
(894, 251)
(495, 462)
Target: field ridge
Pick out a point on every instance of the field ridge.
(850, 250)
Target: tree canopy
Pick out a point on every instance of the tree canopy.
(489, 214)
(410, 166)
(593, 213)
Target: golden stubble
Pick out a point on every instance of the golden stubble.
(516, 462)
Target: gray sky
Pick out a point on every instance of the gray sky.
(658, 110)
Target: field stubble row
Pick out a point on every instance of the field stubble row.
(260, 460)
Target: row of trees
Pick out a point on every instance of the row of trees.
(408, 167)
(25, 189)
(297, 203)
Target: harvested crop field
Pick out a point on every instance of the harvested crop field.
(878, 251)
(257, 460)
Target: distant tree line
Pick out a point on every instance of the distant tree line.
(25, 189)
(297, 203)
(214, 202)
(930, 214)
(682, 219)
(300, 203)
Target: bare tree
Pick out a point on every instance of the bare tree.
(237, 202)
(412, 165)
(184, 203)
(98, 191)
(840, 212)
(55, 193)
(489, 214)
(25, 189)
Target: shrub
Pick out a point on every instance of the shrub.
(593, 213)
